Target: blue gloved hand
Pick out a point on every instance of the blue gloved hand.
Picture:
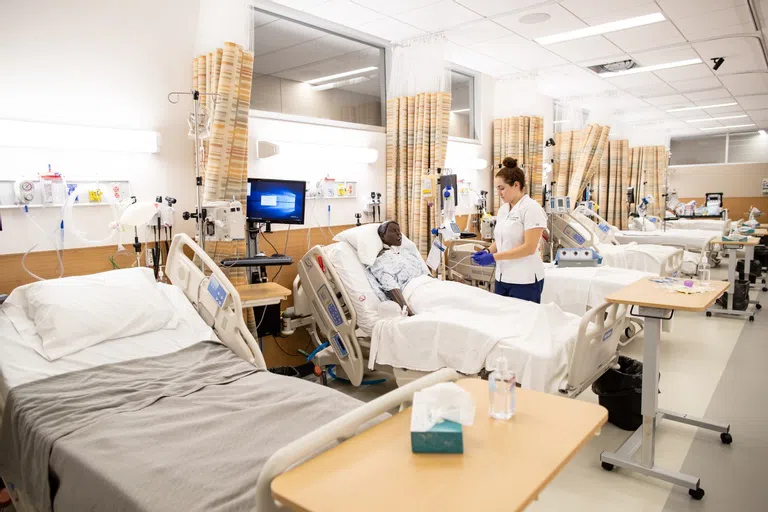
(483, 258)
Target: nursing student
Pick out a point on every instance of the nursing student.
(520, 223)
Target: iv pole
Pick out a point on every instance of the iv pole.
(198, 215)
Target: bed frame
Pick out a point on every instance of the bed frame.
(594, 352)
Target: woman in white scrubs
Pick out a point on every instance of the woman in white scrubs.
(520, 223)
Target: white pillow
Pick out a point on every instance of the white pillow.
(74, 313)
(639, 222)
(365, 240)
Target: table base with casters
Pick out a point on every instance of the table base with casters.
(749, 252)
(655, 304)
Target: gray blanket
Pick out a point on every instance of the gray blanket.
(185, 431)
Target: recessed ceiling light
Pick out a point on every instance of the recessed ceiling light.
(340, 75)
(648, 69)
(340, 83)
(534, 18)
(685, 109)
(729, 127)
(459, 111)
(716, 119)
(563, 121)
(604, 28)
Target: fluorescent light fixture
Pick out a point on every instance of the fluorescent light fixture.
(317, 152)
(648, 69)
(459, 111)
(685, 109)
(26, 134)
(728, 127)
(340, 75)
(762, 132)
(563, 121)
(340, 83)
(466, 163)
(603, 28)
(716, 119)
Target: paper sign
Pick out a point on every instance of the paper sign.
(434, 256)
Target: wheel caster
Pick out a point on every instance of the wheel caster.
(608, 466)
(709, 313)
(726, 438)
(758, 306)
(752, 319)
(696, 494)
(765, 289)
(630, 331)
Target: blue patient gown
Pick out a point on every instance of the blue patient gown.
(394, 270)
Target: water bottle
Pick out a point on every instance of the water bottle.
(501, 387)
(705, 273)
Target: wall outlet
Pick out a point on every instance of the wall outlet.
(151, 259)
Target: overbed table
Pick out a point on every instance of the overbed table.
(655, 304)
(749, 251)
(505, 465)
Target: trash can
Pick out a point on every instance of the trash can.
(621, 392)
(755, 270)
(761, 255)
(740, 298)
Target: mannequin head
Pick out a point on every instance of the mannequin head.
(510, 181)
(390, 234)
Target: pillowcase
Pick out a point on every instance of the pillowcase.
(363, 239)
(75, 313)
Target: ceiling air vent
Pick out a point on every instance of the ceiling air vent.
(612, 67)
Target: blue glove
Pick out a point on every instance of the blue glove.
(483, 258)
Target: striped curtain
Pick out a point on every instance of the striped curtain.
(648, 169)
(611, 183)
(227, 71)
(521, 138)
(564, 159)
(591, 145)
(417, 140)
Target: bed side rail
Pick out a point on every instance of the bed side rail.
(338, 430)
(596, 347)
(673, 263)
(566, 232)
(595, 224)
(225, 319)
(332, 311)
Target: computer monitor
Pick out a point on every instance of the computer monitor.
(276, 201)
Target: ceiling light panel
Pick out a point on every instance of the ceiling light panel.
(604, 28)
(341, 75)
(723, 118)
(730, 127)
(703, 107)
(655, 67)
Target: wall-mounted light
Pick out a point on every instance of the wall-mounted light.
(309, 152)
(26, 134)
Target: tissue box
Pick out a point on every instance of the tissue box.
(444, 437)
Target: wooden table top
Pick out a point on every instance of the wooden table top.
(262, 291)
(761, 232)
(505, 464)
(653, 295)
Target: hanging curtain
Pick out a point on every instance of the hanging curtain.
(417, 140)
(591, 145)
(521, 138)
(227, 71)
(611, 183)
(648, 169)
(565, 156)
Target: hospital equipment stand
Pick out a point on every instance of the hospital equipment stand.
(655, 304)
(749, 250)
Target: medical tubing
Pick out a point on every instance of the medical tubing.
(333, 375)
(459, 262)
(68, 217)
(55, 247)
(319, 348)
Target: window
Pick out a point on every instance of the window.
(747, 147)
(722, 148)
(568, 117)
(308, 71)
(462, 121)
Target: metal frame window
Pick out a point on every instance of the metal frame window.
(464, 112)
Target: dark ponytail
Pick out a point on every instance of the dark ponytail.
(511, 173)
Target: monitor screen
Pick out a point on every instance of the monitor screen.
(276, 201)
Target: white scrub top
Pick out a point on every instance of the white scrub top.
(509, 232)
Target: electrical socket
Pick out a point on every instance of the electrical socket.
(151, 259)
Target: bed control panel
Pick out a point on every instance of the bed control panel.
(217, 291)
(338, 346)
(329, 305)
(574, 235)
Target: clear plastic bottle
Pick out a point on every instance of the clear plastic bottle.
(501, 387)
(704, 272)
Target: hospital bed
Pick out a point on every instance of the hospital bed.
(575, 230)
(455, 326)
(76, 436)
(721, 226)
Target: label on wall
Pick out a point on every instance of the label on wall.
(765, 186)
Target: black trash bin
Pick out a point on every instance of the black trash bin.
(621, 392)
(761, 255)
(740, 298)
(755, 270)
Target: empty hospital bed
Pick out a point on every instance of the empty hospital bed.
(456, 326)
(181, 417)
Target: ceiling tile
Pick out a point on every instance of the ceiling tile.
(699, 25)
(650, 36)
(611, 14)
(712, 94)
(689, 114)
(438, 16)
(741, 54)
(663, 101)
(678, 9)
(519, 52)
(476, 32)
(391, 29)
(280, 34)
(305, 53)
(571, 80)
(759, 101)
(595, 47)
(758, 115)
(697, 85)
(561, 21)
(636, 80)
(300, 5)
(654, 57)
(344, 12)
(742, 85)
(684, 73)
(494, 7)
(463, 56)
(647, 91)
(592, 8)
(392, 7)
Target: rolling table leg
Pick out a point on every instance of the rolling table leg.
(732, 290)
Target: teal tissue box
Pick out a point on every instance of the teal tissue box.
(445, 437)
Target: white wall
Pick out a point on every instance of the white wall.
(733, 180)
(369, 177)
(108, 63)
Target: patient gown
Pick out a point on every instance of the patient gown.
(394, 268)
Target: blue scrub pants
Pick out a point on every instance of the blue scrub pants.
(530, 292)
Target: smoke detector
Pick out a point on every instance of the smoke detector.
(612, 67)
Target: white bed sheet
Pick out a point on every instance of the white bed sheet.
(21, 364)
(692, 239)
(721, 226)
(647, 258)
